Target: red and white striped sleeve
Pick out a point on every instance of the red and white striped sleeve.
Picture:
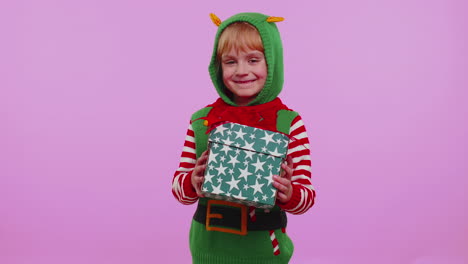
(303, 192)
(182, 188)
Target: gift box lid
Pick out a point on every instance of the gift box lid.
(251, 138)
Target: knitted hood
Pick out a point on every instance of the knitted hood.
(273, 50)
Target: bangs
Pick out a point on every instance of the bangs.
(239, 36)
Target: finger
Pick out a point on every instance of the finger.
(281, 189)
(199, 179)
(284, 189)
(200, 170)
(281, 197)
(288, 171)
(202, 180)
(281, 184)
(290, 161)
(203, 158)
(283, 172)
(199, 193)
(283, 181)
(199, 184)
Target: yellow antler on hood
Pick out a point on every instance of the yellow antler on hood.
(215, 19)
(274, 19)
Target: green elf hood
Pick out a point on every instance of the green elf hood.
(273, 50)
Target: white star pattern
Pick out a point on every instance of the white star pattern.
(233, 184)
(268, 138)
(208, 177)
(270, 167)
(220, 130)
(257, 187)
(269, 179)
(228, 142)
(226, 149)
(233, 161)
(244, 173)
(275, 153)
(240, 134)
(243, 152)
(258, 165)
(221, 169)
(212, 157)
(249, 146)
(249, 155)
(239, 196)
(259, 176)
(217, 189)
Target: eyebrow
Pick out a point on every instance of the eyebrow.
(254, 53)
(225, 56)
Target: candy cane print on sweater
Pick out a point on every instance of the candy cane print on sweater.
(182, 188)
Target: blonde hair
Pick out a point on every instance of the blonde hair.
(239, 36)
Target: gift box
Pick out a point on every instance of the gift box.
(241, 163)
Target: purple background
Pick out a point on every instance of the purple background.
(95, 99)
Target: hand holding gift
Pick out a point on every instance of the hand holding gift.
(198, 172)
(283, 183)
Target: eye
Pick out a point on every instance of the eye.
(229, 62)
(254, 60)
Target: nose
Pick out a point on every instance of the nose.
(242, 68)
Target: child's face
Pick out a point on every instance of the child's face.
(244, 74)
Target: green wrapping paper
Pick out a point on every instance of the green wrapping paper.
(241, 164)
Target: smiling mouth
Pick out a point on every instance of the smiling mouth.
(242, 82)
